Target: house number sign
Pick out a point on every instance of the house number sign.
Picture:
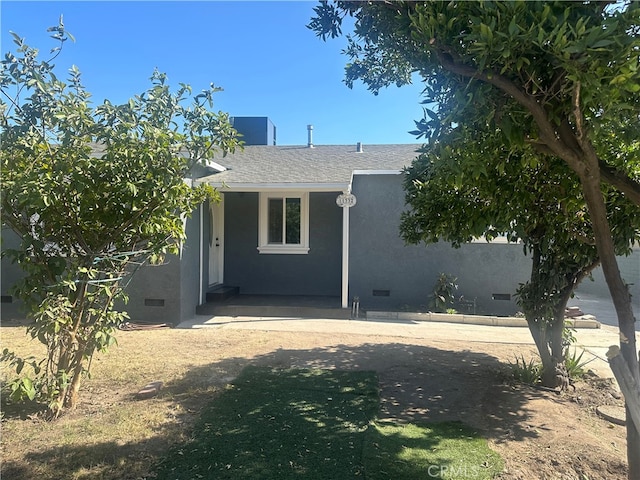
(346, 200)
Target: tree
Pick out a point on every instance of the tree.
(551, 73)
(453, 196)
(93, 193)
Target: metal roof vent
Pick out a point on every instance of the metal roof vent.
(310, 136)
(359, 147)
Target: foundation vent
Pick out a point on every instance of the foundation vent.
(154, 302)
(381, 293)
(501, 296)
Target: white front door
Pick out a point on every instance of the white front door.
(216, 242)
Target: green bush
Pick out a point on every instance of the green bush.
(529, 372)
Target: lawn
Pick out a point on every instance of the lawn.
(320, 424)
(218, 416)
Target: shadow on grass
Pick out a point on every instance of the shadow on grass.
(319, 424)
(417, 384)
(275, 423)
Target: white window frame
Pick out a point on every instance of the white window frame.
(264, 247)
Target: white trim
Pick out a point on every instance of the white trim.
(283, 250)
(263, 243)
(377, 172)
(279, 187)
(218, 228)
(184, 217)
(499, 240)
(345, 256)
(215, 166)
(201, 283)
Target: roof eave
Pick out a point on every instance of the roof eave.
(262, 187)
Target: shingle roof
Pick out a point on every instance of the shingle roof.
(298, 165)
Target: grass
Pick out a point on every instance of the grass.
(114, 436)
(320, 424)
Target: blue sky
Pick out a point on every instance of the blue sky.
(261, 53)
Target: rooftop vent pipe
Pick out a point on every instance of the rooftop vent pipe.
(359, 147)
(310, 136)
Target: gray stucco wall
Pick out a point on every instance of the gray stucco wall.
(629, 269)
(190, 267)
(316, 273)
(149, 286)
(154, 293)
(380, 260)
(11, 307)
(168, 293)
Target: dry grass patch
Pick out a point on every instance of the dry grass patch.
(112, 434)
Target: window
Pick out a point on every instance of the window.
(284, 223)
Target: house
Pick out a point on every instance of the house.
(313, 221)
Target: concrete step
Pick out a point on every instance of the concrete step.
(221, 292)
(224, 310)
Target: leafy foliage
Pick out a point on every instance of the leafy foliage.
(529, 372)
(558, 78)
(93, 193)
(442, 296)
(453, 195)
(574, 363)
(495, 58)
(21, 388)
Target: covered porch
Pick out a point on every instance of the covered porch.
(298, 306)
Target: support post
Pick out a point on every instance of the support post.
(346, 201)
(201, 261)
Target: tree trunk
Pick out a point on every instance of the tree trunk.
(555, 344)
(71, 399)
(548, 340)
(540, 336)
(546, 335)
(621, 300)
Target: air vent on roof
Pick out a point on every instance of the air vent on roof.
(359, 147)
(310, 136)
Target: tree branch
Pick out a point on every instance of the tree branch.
(550, 144)
(546, 129)
(628, 186)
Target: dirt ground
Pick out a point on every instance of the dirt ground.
(540, 435)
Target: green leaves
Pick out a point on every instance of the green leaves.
(22, 387)
(92, 191)
(542, 50)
